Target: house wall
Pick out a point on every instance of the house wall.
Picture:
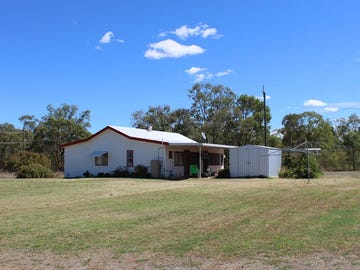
(77, 160)
(254, 161)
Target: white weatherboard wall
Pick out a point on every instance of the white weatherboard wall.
(77, 157)
(255, 161)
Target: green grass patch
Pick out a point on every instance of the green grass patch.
(212, 218)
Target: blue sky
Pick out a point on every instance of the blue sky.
(117, 57)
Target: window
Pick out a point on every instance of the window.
(214, 159)
(170, 154)
(179, 158)
(102, 160)
(130, 158)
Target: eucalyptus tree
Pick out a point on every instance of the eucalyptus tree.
(164, 119)
(29, 123)
(247, 123)
(182, 122)
(310, 127)
(158, 117)
(348, 130)
(60, 125)
(10, 142)
(212, 107)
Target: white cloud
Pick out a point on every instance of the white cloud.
(202, 30)
(267, 97)
(223, 73)
(199, 74)
(348, 105)
(163, 34)
(209, 32)
(184, 32)
(106, 38)
(194, 70)
(171, 49)
(331, 109)
(199, 77)
(314, 103)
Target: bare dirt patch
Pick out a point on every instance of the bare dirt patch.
(16, 260)
(7, 175)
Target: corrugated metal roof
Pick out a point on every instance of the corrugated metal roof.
(153, 135)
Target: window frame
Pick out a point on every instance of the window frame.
(102, 160)
(178, 158)
(130, 158)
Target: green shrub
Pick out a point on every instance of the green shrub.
(34, 171)
(121, 173)
(141, 172)
(87, 174)
(297, 167)
(22, 158)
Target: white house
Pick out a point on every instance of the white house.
(165, 154)
(255, 161)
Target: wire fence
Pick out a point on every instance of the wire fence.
(340, 159)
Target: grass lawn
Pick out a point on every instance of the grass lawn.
(263, 219)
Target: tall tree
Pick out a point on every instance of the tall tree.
(348, 130)
(163, 118)
(211, 108)
(247, 122)
(60, 125)
(10, 142)
(183, 123)
(313, 128)
(29, 123)
(158, 117)
(310, 127)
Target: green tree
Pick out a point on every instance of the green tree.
(163, 118)
(348, 130)
(183, 123)
(310, 127)
(158, 117)
(247, 122)
(29, 123)
(212, 107)
(313, 128)
(10, 142)
(59, 126)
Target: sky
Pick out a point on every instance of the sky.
(117, 57)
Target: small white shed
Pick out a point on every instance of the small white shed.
(255, 161)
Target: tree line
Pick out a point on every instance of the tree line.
(216, 115)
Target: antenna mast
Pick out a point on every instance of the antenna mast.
(265, 124)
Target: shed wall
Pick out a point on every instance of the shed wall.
(254, 161)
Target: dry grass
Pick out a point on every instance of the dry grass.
(194, 223)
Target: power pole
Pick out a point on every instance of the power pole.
(265, 124)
